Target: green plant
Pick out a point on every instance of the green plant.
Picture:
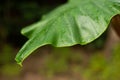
(76, 22)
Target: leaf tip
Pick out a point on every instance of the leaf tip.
(20, 64)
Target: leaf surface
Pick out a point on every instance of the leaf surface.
(76, 22)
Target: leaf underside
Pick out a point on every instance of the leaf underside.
(76, 22)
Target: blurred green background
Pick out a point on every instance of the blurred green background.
(99, 60)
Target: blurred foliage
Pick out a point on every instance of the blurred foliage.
(11, 70)
(64, 61)
(7, 55)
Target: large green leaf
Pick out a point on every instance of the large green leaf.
(76, 22)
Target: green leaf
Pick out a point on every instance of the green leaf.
(76, 22)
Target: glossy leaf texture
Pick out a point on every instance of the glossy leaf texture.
(76, 22)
